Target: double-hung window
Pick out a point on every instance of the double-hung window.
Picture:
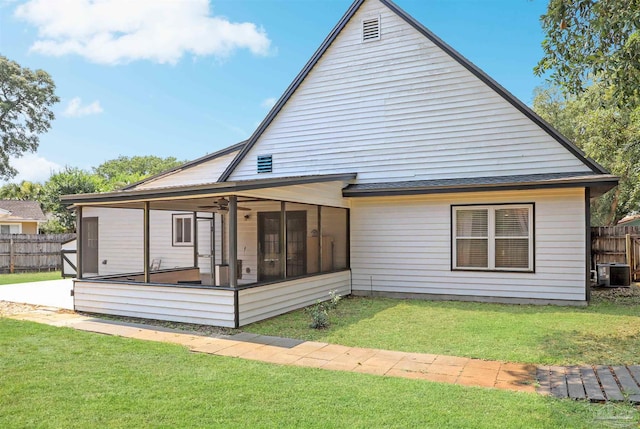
(493, 237)
(182, 230)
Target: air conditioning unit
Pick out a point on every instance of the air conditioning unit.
(614, 275)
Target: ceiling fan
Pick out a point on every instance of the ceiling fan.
(221, 205)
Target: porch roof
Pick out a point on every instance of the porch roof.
(599, 183)
(128, 198)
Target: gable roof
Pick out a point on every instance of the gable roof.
(227, 150)
(573, 149)
(22, 210)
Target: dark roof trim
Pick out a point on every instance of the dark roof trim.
(483, 184)
(594, 166)
(208, 157)
(292, 88)
(196, 190)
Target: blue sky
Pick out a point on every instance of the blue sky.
(185, 78)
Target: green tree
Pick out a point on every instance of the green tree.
(124, 170)
(25, 99)
(25, 190)
(593, 40)
(69, 181)
(608, 133)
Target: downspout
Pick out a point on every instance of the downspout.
(587, 225)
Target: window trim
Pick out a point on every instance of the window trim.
(491, 236)
(10, 224)
(174, 232)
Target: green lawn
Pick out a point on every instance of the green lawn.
(7, 279)
(58, 377)
(606, 332)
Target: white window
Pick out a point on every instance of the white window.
(10, 228)
(496, 237)
(183, 230)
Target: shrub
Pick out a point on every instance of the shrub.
(320, 311)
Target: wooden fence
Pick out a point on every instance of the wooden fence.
(619, 244)
(31, 252)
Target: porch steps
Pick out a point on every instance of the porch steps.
(597, 383)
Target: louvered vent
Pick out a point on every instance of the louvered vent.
(371, 29)
(265, 163)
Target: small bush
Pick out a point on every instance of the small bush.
(320, 311)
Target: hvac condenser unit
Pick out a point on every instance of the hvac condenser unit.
(614, 275)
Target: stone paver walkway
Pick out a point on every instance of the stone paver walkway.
(285, 351)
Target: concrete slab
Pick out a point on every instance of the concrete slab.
(52, 293)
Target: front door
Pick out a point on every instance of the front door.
(269, 245)
(89, 245)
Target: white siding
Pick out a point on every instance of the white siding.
(207, 172)
(404, 245)
(120, 241)
(324, 193)
(400, 109)
(262, 302)
(178, 304)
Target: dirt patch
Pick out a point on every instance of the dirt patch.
(8, 308)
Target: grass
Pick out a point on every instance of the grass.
(7, 279)
(606, 332)
(58, 377)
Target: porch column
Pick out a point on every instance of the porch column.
(79, 247)
(146, 259)
(283, 239)
(233, 241)
(195, 239)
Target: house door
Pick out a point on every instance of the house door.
(90, 245)
(269, 245)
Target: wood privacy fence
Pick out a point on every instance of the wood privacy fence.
(31, 252)
(619, 244)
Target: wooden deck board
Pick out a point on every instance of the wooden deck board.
(574, 383)
(611, 388)
(558, 382)
(544, 385)
(630, 387)
(591, 385)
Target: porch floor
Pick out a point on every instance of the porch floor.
(557, 381)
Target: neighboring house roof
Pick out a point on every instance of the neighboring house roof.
(180, 168)
(17, 210)
(633, 220)
(602, 182)
(591, 164)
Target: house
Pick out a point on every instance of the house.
(20, 217)
(391, 166)
(630, 220)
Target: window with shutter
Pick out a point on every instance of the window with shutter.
(493, 237)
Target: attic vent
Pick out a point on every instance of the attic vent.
(371, 29)
(265, 163)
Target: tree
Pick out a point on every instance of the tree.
(25, 98)
(593, 40)
(69, 181)
(608, 133)
(124, 170)
(25, 190)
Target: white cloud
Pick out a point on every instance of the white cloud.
(75, 109)
(121, 31)
(33, 168)
(269, 102)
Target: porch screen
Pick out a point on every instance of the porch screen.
(493, 237)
